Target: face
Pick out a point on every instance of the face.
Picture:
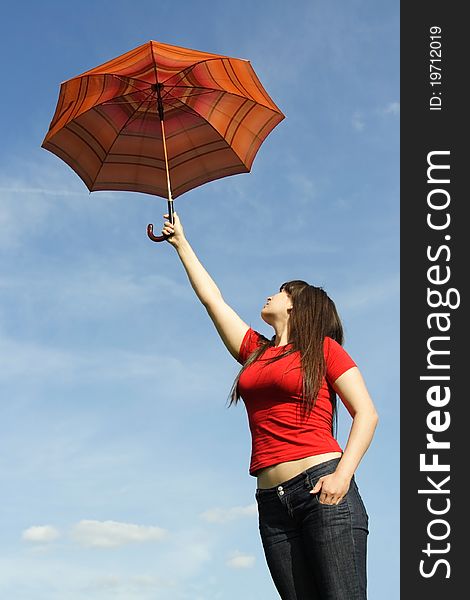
(277, 307)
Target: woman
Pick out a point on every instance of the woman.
(312, 521)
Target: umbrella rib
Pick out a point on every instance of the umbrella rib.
(168, 94)
(183, 106)
(204, 90)
(117, 136)
(209, 90)
(165, 95)
(130, 80)
(195, 113)
(184, 72)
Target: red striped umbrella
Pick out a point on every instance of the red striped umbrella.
(162, 120)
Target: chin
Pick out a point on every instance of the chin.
(266, 317)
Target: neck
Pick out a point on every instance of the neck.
(282, 334)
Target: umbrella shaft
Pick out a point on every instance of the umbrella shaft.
(170, 211)
(157, 87)
(167, 168)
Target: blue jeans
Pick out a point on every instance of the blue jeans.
(314, 551)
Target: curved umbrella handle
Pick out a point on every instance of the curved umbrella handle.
(155, 238)
(161, 238)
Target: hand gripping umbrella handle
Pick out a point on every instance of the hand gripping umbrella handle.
(161, 238)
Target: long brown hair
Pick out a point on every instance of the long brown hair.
(312, 318)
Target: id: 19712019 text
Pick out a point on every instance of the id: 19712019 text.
(435, 67)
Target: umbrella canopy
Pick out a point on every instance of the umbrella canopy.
(108, 122)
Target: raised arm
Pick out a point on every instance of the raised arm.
(229, 325)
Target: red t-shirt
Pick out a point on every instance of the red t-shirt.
(272, 394)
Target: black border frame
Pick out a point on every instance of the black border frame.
(424, 130)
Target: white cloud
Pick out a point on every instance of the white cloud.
(187, 553)
(174, 564)
(393, 108)
(16, 188)
(98, 289)
(127, 587)
(40, 534)
(110, 534)
(32, 195)
(357, 121)
(223, 515)
(370, 293)
(29, 192)
(22, 211)
(40, 362)
(32, 360)
(238, 560)
(56, 578)
(304, 188)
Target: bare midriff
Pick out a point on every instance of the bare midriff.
(276, 474)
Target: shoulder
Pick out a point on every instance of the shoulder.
(338, 361)
(331, 345)
(251, 341)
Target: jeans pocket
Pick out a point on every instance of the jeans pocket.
(343, 500)
(330, 506)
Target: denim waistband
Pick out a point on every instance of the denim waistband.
(307, 478)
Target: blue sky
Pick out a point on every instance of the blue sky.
(123, 473)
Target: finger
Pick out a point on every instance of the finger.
(326, 498)
(332, 500)
(317, 487)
